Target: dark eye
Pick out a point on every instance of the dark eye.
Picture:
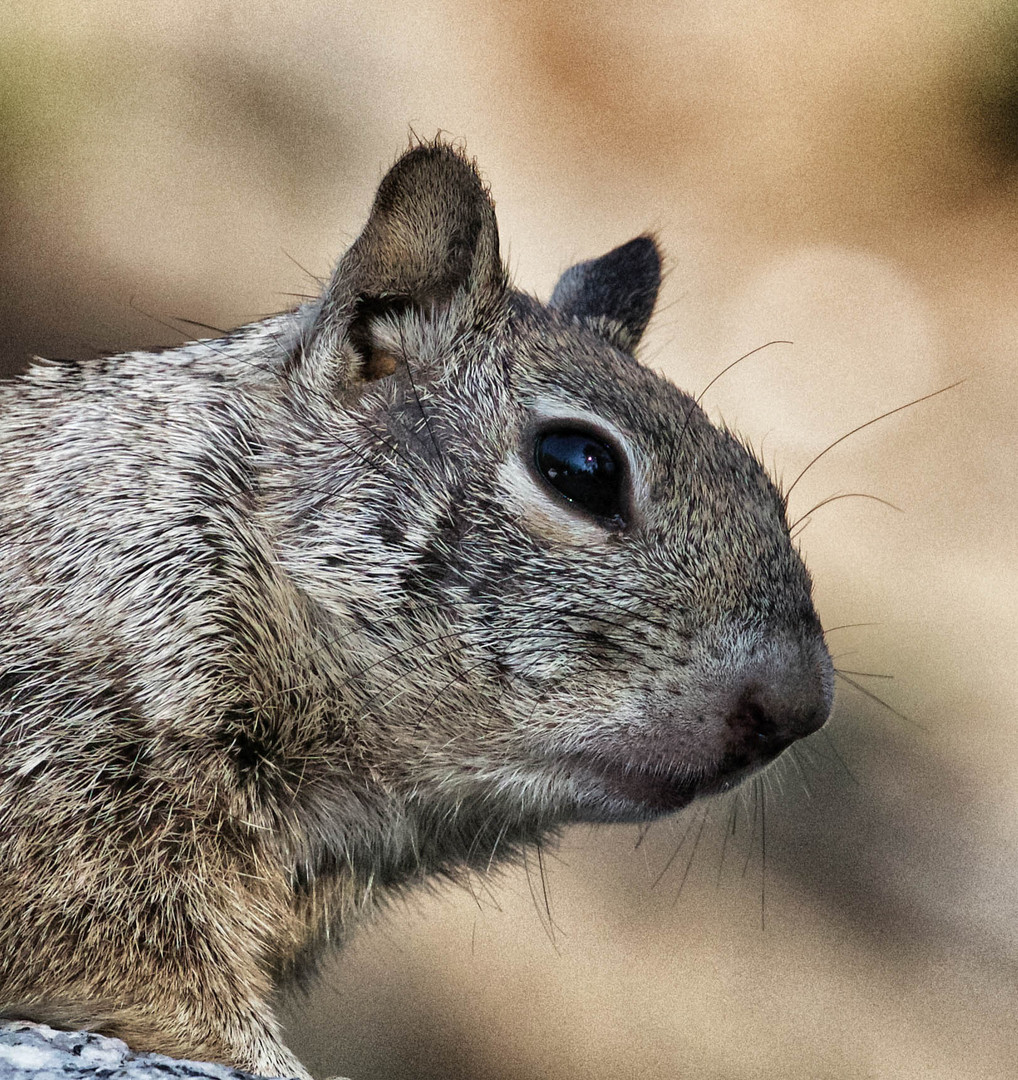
(584, 469)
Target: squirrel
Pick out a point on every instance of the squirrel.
(383, 588)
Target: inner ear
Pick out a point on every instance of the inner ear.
(430, 242)
(377, 356)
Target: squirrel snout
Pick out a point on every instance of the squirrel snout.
(784, 697)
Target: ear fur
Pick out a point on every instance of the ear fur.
(431, 236)
(615, 294)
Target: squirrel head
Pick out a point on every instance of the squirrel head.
(554, 588)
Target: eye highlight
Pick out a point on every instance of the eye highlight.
(585, 470)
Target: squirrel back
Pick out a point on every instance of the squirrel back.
(383, 588)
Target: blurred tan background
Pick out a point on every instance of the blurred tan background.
(844, 176)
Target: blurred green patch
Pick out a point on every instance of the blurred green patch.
(54, 97)
(993, 71)
(47, 92)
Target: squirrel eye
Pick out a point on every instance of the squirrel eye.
(584, 469)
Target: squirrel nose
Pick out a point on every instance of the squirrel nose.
(786, 696)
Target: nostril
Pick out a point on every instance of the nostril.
(753, 732)
(764, 721)
(781, 694)
(749, 721)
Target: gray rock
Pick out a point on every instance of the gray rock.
(36, 1052)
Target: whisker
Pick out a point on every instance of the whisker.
(674, 855)
(417, 398)
(846, 495)
(863, 674)
(745, 356)
(547, 927)
(321, 282)
(861, 427)
(460, 676)
(692, 854)
(699, 397)
(152, 317)
(729, 831)
(763, 858)
(847, 626)
(879, 700)
(752, 826)
(217, 330)
(544, 886)
(840, 759)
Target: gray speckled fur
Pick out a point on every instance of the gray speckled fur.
(37, 1052)
(289, 622)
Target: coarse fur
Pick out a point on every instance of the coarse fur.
(290, 620)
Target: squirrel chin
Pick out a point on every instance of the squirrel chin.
(616, 790)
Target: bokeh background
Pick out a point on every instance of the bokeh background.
(843, 176)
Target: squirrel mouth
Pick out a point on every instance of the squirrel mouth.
(652, 789)
(639, 791)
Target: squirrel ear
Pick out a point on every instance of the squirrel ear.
(615, 294)
(431, 234)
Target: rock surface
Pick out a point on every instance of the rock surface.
(36, 1052)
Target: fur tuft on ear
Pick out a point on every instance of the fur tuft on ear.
(431, 236)
(615, 294)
